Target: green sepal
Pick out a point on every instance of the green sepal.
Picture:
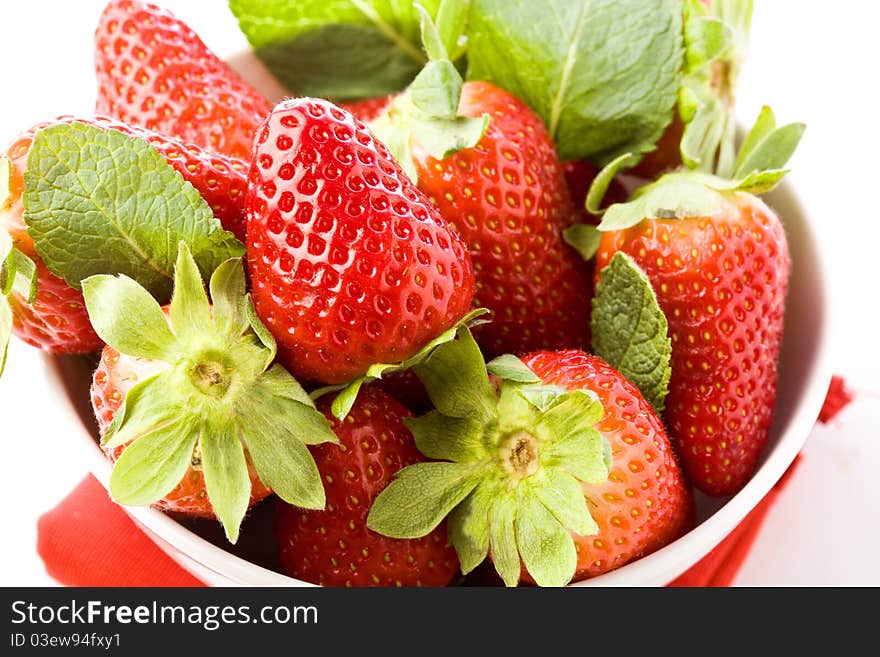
(144, 410)
(583, 238)
(547, 548)
(603, 179)
(431, 40)
(216, 385)
(229, 298)
(348, 392)
(586, 456)
(766, 147)
(502, 539)
(456, 379)
(509, 367)
(21, 276)
(226, 475)
(542, 396)
(153, 465)
(445, 438)
(420, 497)
(629, 330)
(436, 90)
(563, 496)
(5, 331)
(468, 526)
(128, 318)
(189, 309)
(452, 18)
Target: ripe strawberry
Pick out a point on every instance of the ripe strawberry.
(115, 376)
(189, 404)
(646, 502)
(334, 547)
(557, 469)
(369, 109)
(718, 261)
(154, 71)
(351, 265)
(506, 197)
(721, 280)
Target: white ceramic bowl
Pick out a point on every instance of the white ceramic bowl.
(199, 546)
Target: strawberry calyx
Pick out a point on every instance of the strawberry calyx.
(759, 168)
(216, 402)
(344, 401)
(511, 455)
(715, 41)
(18, 273)
(427, 111)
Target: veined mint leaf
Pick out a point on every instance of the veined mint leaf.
(99, 202)
(342, 49)
(602, 74)
(630, 330)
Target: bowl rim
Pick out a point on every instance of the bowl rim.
(214, 565)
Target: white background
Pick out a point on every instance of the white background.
(812, 61)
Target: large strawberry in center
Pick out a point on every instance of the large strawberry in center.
(350, 263)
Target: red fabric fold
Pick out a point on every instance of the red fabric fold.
(82, 538)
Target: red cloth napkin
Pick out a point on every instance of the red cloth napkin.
(80, 540)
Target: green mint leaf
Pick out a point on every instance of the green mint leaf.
(154, 464)
(629, 329)
(448, 438)
(563, 496)
(468, 527)
(344, 49)
(127, 318)
(5, 331)
(190, 311)
(226, 476)
(456, 379)
(547, 548)
(420, 497)
(512, 368)
(279, 454)
(452, 17)
(584, 239)
(99, 202)
(602, 74)
(228, 295)
(502, 539)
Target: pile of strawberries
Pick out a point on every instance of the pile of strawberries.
(405, 358)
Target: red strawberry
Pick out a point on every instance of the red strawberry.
(718, 261)
(369, 109)
(506, 197)
(208, 424)
(721, 280)
(350, 263)
(646, 502)
(154, 71)
(115, 376)
(556, 469)
(334, 547)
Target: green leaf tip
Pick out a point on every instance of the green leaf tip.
(121, 203)
(510, 462)
(629, 329)
(214, 391)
